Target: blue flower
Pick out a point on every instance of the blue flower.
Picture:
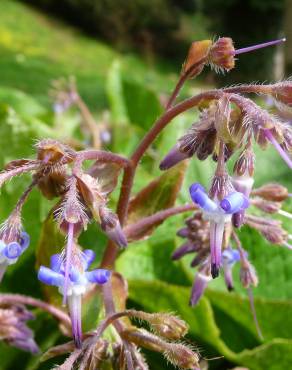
(10, 252)
(218, 213)
(79, 281)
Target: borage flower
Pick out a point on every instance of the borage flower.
(13, 328)
(218, 213)
(80, 280)
(13, 242)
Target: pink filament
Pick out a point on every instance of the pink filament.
(74, 302)
(278, 147)
(259, 46)
(68, 260)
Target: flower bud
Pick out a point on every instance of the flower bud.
(266, 206)
(221, 55)
(174, 156)
(282, 93)
(167, 326)
(110, 224)
(201, 281)
(248, 275)
(272, 192)
(182, 356)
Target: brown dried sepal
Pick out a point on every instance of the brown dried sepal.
(197, 57)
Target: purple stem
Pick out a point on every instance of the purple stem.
(278, 147)
(68, 259)
(259, 46)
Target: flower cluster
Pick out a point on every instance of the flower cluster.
(13, 328)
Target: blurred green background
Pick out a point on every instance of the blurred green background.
(126, 57)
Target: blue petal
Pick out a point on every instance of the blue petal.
(2, 246)
(24, 240)
(50, 277)
(99, 276)
(12, 250)
(200, 197)
(88, 257)
(234, 202)
(56, 262)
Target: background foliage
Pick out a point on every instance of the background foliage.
(123, 85)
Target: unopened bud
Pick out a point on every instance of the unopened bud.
(174, 156)
(110, 224)
(248, 275)
(266, 206)
(274, 235)
(282, 93)
(244, 166)
(167, 326)
(272, 192)
(182, 356)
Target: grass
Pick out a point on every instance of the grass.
(36, 48)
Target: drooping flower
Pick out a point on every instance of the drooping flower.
(11, 248)
(13, 328)
(229, 258)
(218, 213)
(79, 281)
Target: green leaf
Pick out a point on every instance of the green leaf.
(142, 103)
(271, 313)
(22, 103)
(275, 355)
(115, 94)
(159, 194)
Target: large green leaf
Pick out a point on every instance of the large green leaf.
(151, 259)
(220, 319)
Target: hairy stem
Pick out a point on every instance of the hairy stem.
(22, 299)
(156, 218)
(129, 173)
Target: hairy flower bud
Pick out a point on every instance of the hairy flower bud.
(164, 324)
(282, 93)
(266, 206)
(272, 192)
(178, 354)
(248, 275)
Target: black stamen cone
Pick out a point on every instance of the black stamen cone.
(214, 271)
(230, 288)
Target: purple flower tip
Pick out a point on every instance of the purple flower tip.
(24, 240)
(88, 256)
(173, 157)
(234, 202)
(50, 277)
(56, 262)
(200, 197)
(99, 276)
(12, 250)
